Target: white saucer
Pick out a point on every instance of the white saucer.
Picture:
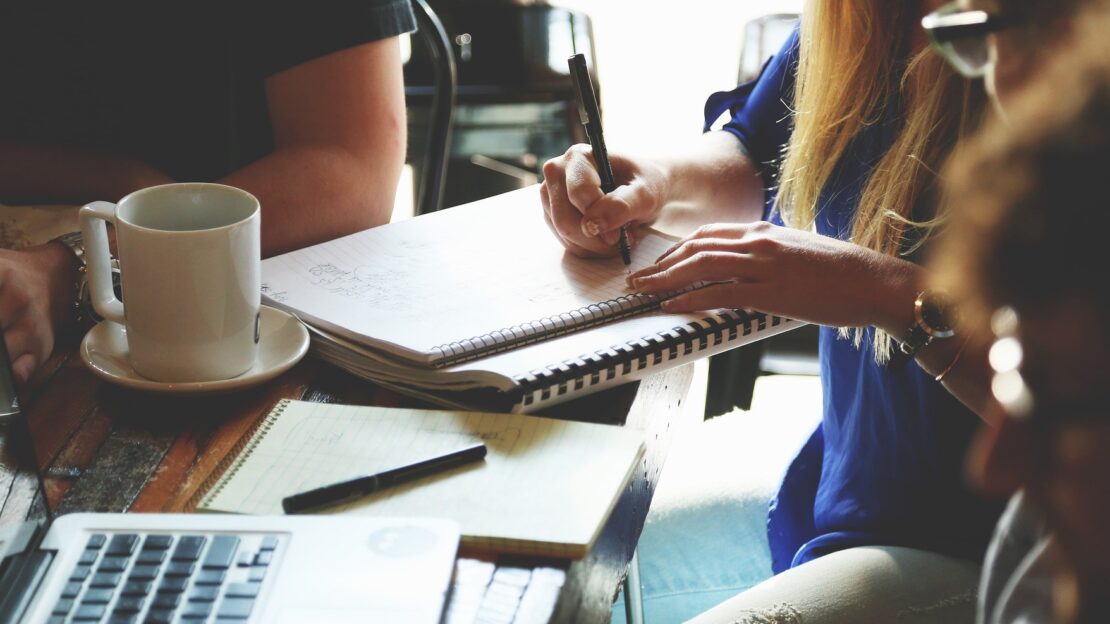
(283, 341)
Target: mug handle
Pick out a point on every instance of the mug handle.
(95, 218)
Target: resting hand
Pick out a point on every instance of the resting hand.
(36, 295)
(586, 220)
(784, 271)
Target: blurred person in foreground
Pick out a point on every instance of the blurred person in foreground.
(1025, 253)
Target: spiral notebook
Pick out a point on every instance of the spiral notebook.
(480, 306)
(546, 487)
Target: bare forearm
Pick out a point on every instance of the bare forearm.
(962, 359)
(714, 181)
(310, 194)
(339, 132)
(31, 173)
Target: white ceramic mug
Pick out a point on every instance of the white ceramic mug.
(189, 257)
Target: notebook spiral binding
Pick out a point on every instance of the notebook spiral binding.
(620, 360)
(536, 331)
(235, 458)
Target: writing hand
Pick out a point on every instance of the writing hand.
(586, 220)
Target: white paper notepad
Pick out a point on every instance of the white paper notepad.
(546, 486)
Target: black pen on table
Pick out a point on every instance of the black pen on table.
(590, 116)
(361, 486)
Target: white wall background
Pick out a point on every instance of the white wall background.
(658, 60)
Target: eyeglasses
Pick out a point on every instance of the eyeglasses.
(961, 37)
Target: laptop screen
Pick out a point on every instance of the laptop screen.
(21, 490)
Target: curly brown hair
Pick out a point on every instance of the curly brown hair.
(1034, 10)
(1031, 195)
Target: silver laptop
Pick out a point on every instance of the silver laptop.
(192, 568)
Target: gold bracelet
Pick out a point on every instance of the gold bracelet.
(955, 359)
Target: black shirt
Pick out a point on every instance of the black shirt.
(177, 85)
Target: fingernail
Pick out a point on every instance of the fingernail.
(666, 306)
(591, 228)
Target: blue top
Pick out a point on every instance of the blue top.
(884, 465)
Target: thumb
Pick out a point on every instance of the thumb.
(628, 204)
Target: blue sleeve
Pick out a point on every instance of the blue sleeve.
(762, 117)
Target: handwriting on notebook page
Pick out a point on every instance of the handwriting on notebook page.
(589, 280)
(447, 277)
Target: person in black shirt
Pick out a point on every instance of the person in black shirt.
(301, 104)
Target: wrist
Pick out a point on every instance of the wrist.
(934, 318)
(893, 302)
(60, 269)
(655, 176)
(57, 259)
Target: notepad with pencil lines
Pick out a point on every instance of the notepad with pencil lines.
(546, 487)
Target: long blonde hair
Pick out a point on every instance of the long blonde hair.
(858, 66)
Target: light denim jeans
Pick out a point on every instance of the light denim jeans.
(875, 584)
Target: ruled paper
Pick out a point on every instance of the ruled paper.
(517, 499)
(412, 286)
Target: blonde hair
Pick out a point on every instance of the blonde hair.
(858, 67)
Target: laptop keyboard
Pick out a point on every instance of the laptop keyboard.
(484, 593)
(164, 579)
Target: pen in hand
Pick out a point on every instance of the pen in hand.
(590, 116)
(361, 486)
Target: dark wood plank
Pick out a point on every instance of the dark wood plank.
(19, 489)
(76, 455)
(211, 435)
(60, 407)
(105, 446)
(119, 470)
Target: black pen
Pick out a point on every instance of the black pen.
(590, 116)
(361, 486)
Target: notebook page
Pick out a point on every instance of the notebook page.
(416, 285)
(517, 497)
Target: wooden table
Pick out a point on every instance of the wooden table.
(110, 449)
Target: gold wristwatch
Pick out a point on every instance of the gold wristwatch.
(934, 317)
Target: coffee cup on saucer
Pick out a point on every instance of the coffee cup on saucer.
(189, 260)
